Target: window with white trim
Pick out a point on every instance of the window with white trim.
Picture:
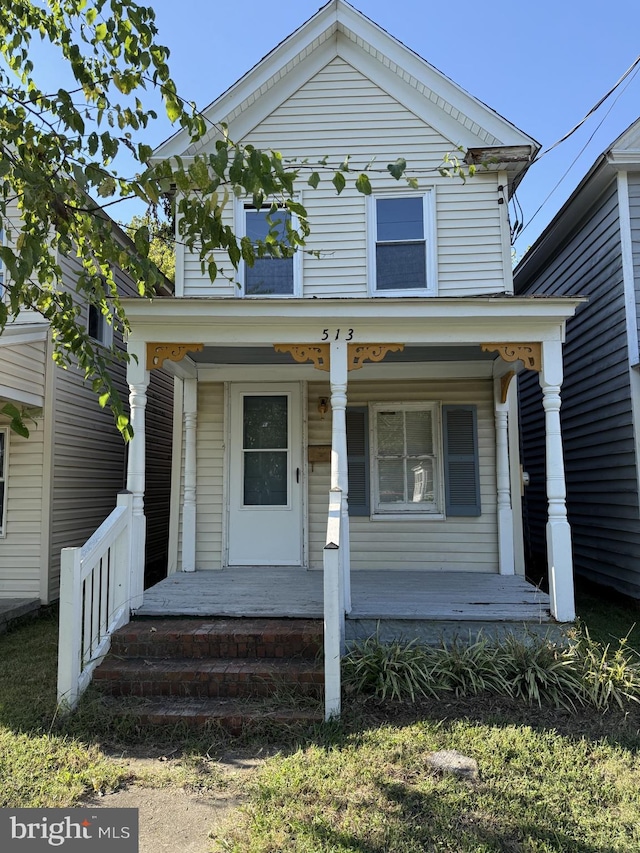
(97, 326)
(269, 276)
(402, 259)
(405, 457)
(4, 441)
(413, 458)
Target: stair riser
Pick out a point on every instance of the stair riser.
(211, 688)
(196, 647)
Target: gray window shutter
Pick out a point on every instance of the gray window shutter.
(358, 459)
(461, 469)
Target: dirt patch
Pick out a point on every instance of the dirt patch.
(176, 813)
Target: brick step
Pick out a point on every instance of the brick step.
(212, 677)
(219, 638)
(235, 716)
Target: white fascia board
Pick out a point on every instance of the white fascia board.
(24, 334)
(229, 322)
(24, 398)
(624, 160)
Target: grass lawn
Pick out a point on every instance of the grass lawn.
(548, 780)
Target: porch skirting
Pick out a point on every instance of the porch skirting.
(376, 595)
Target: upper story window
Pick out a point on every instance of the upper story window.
(3, 478)
(402, 258)
(269, 276)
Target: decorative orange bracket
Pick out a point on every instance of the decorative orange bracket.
(359, 353)
(529, 354)
(158, 353)
(317, 353)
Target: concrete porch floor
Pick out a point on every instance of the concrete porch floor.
(376, 595)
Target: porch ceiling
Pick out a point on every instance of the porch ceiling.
(267, 355)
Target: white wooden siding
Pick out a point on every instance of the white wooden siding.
(210, 468)
(20, 548)
(341, 112)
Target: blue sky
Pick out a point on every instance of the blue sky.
(541, 65)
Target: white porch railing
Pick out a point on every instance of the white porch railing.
(95, 582)
(334, 605)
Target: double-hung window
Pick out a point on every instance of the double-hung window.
(402, 253)
(406, 464)
(269, 275)
(4, 433)
(414, 460)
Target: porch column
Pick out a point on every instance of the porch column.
(506, 559)
(339, 470)
(190, 468)
(559, 555)
(138, 380)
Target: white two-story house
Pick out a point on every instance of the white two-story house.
(376, 363)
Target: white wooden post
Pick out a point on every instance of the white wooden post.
(122, 556)
(138, 379)
(333, 608)
(70, 630)
(559, 553)
(506, 558)
(339, 470)
(190, 466)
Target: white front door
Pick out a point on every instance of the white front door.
(265, 484)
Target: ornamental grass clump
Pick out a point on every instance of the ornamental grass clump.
(607, 676)
(577, 672)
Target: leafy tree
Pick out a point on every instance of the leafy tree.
(58, 154)
(162, 250)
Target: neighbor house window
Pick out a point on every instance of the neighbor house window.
(3, 478)
(401, 257)
(269, 276)
(413, 458)
(406, 465)
(97, 326)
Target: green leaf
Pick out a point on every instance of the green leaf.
(339, 182)
(314, 180)
(398, 168)
(363, 185)
(101, 32)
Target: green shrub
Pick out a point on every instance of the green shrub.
(534, 669)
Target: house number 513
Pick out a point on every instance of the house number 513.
(327, 334)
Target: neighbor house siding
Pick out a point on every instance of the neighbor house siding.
(89, 454)
(454, 544)
(22, 369)
(596, 413)
(20, 547)
(633, 183)
(341, 112)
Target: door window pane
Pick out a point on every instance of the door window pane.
(265, 478)
(265, 422)
(265, 454)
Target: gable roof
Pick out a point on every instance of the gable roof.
(338, 29)
(623, 154)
